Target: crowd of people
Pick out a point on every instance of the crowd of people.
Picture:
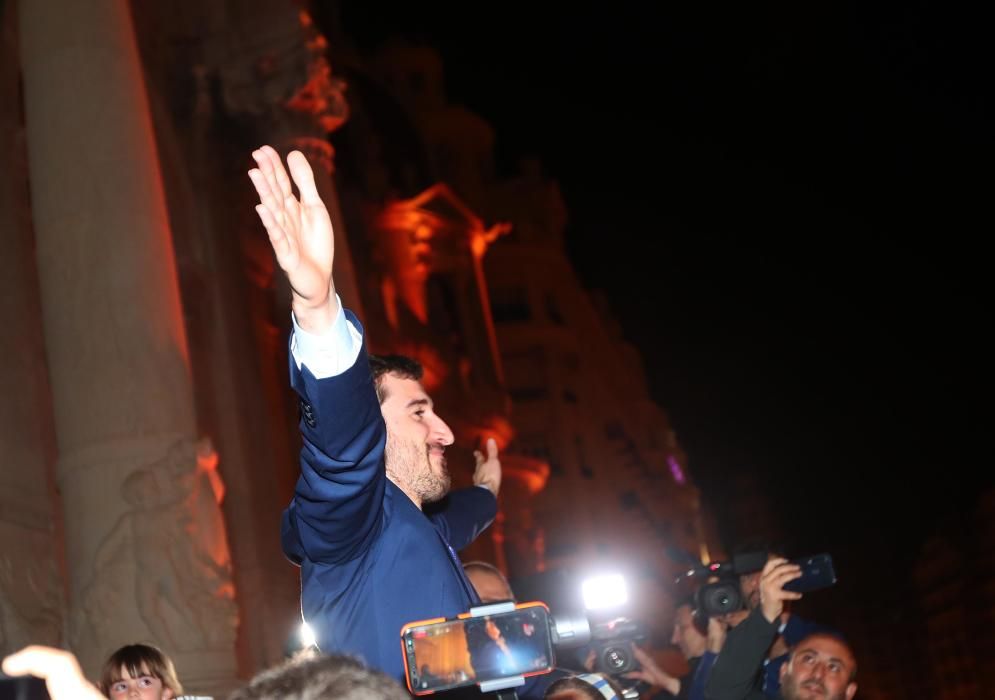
(374, 528)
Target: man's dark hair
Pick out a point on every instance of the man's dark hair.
(757, 551)
(320, 677)
(398, 365)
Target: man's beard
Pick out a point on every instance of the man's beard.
(408, 465)
(792, 691)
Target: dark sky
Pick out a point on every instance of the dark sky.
(786, 208)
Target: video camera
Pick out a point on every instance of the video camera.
(610, 640)
(714, 598)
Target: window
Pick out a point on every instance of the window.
(510, 304)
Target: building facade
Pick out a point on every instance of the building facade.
(149, 434)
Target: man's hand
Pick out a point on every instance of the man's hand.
(734, 618)
(716, 636)
(776, 573)
(488, 471)
(300, 232)
(651, 673)
(59, 669)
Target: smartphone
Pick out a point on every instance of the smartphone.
(817, 573)
(22, 688)
(449, 653)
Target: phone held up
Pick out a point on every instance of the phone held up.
(478, 647)
(817, 573)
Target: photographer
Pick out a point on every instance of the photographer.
(820, 664)
(699, 650)
(791, 630)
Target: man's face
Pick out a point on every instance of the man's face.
(820, 668)
(416, 440)
(686, 635)
(749, 585)
(490, 587)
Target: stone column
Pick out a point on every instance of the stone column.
(31, 593)
(145, 545)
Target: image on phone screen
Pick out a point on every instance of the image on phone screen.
(454, 653)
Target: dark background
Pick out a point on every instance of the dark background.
(786, 207)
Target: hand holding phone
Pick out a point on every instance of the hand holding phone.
(817, 573)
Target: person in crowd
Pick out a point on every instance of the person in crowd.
(139, 671)
(699, 649)
(791, 629)
(310, 678)
(488, 581)
(373, 454)
(821, 665)
(584, 686)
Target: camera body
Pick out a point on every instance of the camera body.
(721, 594)
(718, 598)
(610, 640)
(716, 589)
(612, 643)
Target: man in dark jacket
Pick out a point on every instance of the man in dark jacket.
(820, 666)
(373, 456)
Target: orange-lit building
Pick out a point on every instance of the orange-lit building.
(145, 405)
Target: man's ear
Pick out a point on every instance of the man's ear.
(784, 671)
(851, 690)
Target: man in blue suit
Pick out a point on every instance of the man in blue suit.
(373, 455)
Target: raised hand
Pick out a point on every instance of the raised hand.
(300, 232)
(488, 470)
(776, 573)
(59, 669)
(650, 672)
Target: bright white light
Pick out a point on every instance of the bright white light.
(606, 591)
(307, 636)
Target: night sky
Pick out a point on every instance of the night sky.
(786, 209)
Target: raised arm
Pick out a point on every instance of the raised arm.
(337, 503)
(740, 662)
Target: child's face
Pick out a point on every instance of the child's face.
(144, 687)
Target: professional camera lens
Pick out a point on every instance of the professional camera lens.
(719, 598)
(616, 659)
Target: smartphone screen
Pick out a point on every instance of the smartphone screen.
(817, 573)
(470, 650)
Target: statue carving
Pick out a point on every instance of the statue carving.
(281, 72)
(170, 546)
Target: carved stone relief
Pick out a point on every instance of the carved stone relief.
(167, 552)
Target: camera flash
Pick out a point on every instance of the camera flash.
(604, 592)
(307, 636)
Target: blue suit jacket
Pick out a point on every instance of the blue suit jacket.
(370, 560)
